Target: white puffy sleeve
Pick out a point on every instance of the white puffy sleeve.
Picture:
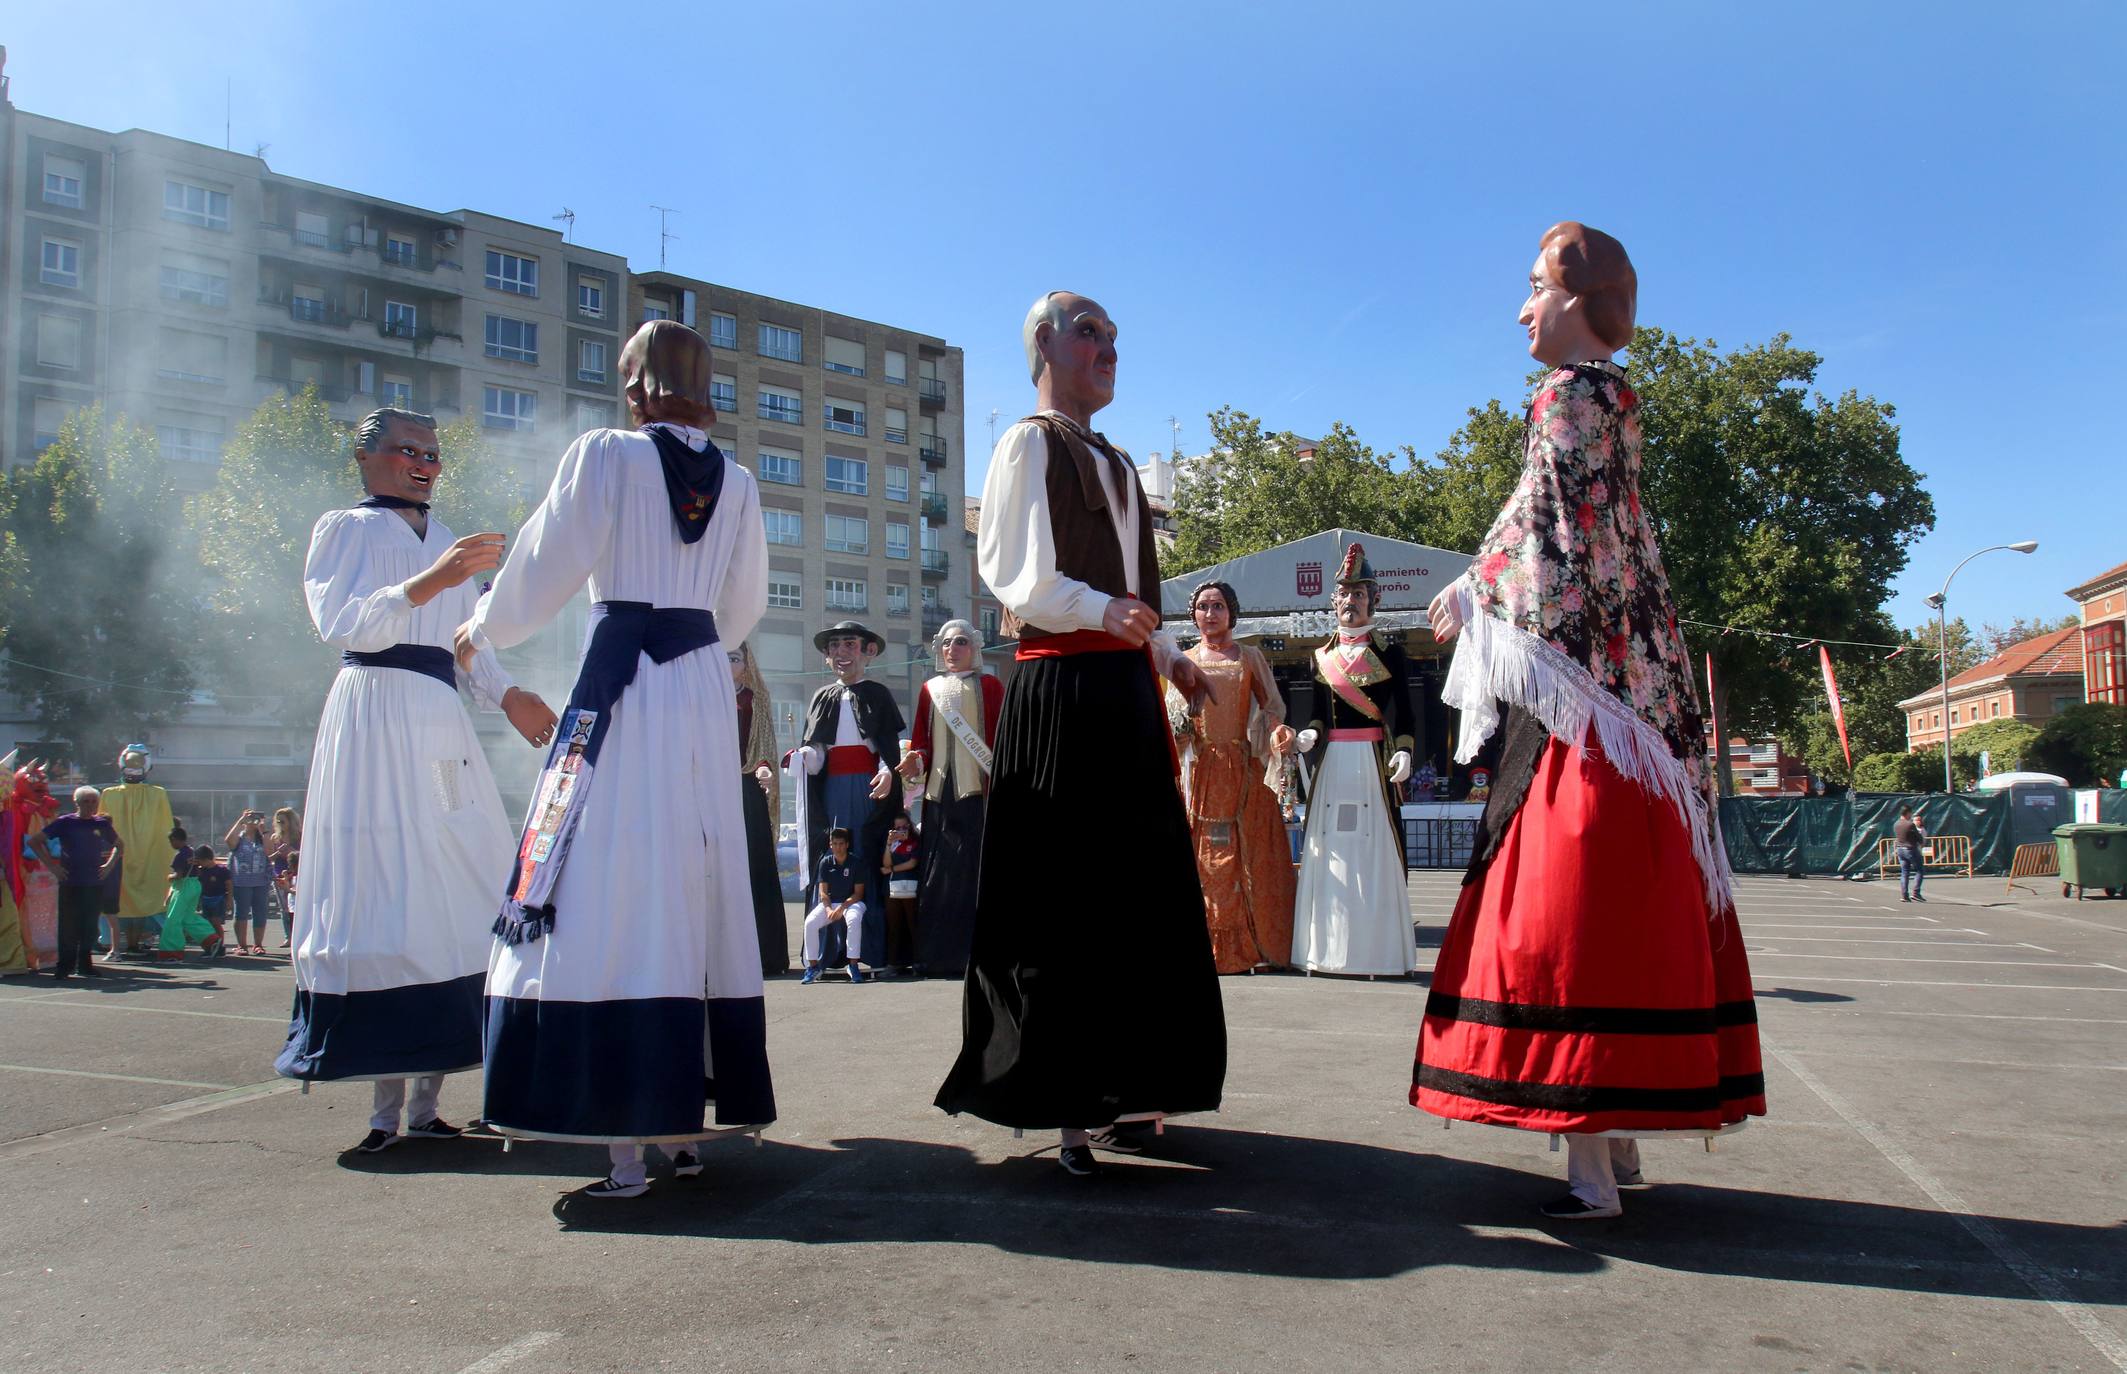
(743, 599)
(1016, 549)
(552, 556)
(487, 679)
(346, 603)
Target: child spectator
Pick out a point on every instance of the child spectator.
(899, 864)
(213, 892)
(841, 898)
(181, 921)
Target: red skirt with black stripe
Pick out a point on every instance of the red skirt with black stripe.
(1581, 987)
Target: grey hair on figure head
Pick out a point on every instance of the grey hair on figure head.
(952, 627)
(1043, 311)
(86, 792)
(369, 431)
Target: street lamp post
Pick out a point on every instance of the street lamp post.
(1941, 602)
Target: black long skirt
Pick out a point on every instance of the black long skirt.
(945, 905)
(1092, 994)
(767, 887)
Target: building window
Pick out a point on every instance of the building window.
(778, 342)
(401, 321)
(783, 526)
(896, 367)
(844, 417)
(724, 392)
(397, 391)
(62, 180)
(896, 539)
(776, 403)
(184, 356)
(656, 310)
(592, 415)
(989, 624)
(506, 408)
(2105, 662)
(508, 272)
(851, 476)
(785, 593)
(848, 534)
(591, 297)
(311, 229)
(896, 482)
(2061, 704)
(930, 597)
(845, 356)
(1995, 711)
(58, 341)
(189, 204)
(516, 340)
(896, 598)
(184, 444)
(896, 426)
(724, 330)
(590, 361)
(400, 252)
(47, 416)
(845, 594)
(784, 469)
(61, 263)
(192, 287)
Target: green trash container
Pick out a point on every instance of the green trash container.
(2092, 856)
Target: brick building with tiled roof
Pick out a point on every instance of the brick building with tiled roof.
(2103, 603)
(2032, 681)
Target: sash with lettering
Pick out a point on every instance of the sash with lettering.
(1331, 665)
(964, 732)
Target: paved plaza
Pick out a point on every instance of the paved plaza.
(1938, 1187)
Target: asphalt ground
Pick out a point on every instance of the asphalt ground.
(1938, 1187)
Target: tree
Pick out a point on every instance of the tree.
(2006, 743)
(1898, 771)
(1993, 639)
(101, 609)
(1256, 492)
(1456, 497)
(2086, 744)
(1871, 684)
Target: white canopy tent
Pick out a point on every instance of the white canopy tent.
(1285, 590)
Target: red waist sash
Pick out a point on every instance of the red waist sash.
(1074, 642)
(844, 759)
(1370, 734)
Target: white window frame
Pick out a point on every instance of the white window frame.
(828, 362)
(60, 187)
(783, 527)
(987, 619)
(848, 594)
(521, 412)
(184, 444)
(785, 592)
(724, 392)
(402, 320)
(400, 252)
(525, 350)
(396, 391)
(842, 542)
(843, 480)
(723, 330)
(190, 286)
(69, 321)
(188, 202)
(591, 297)
(586, 351)
(897, 598)
(512, 272)
(891, 432)
(843, 417)
(592, 415)
(893, 378)
(312, 229)
(894, 549)
(653, 311)
(780, 468)
(170, 372)
(40, 437)
(788, 407)
(52, 268)
(896, 490)
(775, 337)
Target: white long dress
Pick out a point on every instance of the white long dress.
(405, 844)
(1352, 914)
(644, 1000)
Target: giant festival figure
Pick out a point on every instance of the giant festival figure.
(951, 753)
(140, 811)
(1592, 981)
(1088, 1002)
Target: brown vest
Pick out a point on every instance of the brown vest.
(1086, 547)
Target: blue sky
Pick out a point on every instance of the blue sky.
(1310, 214)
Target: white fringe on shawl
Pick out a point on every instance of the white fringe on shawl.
(1496, 661)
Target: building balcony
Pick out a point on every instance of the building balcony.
(311, 244)
(899, 609)
(328, 392)
(930, 391)
(934, 564)
(931, 449)
(847, 603)
(934, 618)
(306, 310)
(855, 427)
(934, 506)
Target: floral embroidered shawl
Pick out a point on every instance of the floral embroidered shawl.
(1570, 613)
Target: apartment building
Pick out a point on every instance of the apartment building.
(854, 431)
(2032, 681)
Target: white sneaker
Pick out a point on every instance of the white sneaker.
(686, 1164)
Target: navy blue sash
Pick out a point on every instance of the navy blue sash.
(425, 659)
(621, 633)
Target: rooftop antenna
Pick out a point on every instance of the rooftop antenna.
(664, 235)
(993, 429)
(1176, 426)
(228, 108)
(568, 218)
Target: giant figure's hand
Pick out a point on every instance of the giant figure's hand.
(1399, 767)
(765, 776)
(1282, 739)
(1130, 620)
(912, 765)
(1305, 741)
(530, 715)
(468, 558)
(1445, 612)
(882, 783)
(1193, 683)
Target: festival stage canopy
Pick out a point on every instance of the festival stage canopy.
(1285, 590)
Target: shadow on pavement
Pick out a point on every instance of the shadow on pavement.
(1803, 995)
(1241, 1202)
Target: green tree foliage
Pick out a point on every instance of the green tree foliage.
(1898, 771)
(2006, 743)
(1456, 497)
(1993, 639)
(100, 600)
(2086, 744)
(1257, 492)
(1871, 684)
(289, 463)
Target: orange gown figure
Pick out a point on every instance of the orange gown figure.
(1243, 857)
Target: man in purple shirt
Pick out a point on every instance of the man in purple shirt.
(87, 851)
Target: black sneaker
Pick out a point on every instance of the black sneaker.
(376, 1142)
(1115, 1140)
(1078, 1160)
(686, 1164)
(438, 1129)
(1571, 1208)
(609, 1187)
